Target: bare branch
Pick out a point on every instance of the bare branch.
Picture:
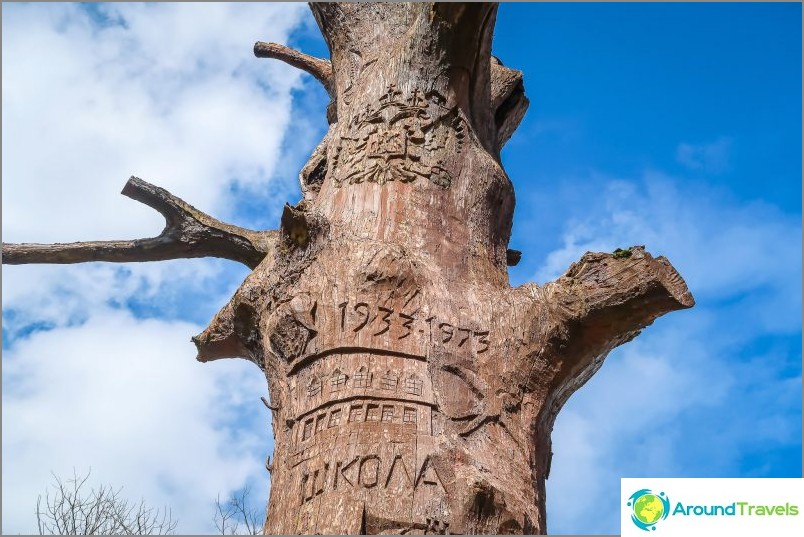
(188, 233)
(236, 511)
(268, 405)
(103, 511)
(630, 286)
(320, 69)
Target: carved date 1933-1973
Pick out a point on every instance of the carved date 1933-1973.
(380, 319)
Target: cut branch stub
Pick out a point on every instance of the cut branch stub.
(507, 99)
(188, 233)
(513, 257)
(601, 302)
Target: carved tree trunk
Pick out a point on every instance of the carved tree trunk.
(412, 389)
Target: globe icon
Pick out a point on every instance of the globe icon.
(648, 508)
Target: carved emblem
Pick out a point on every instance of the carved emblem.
(399, 139)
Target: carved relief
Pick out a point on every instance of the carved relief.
(389, 381)
(363, 407)
(399, 139)
(362, 378)
(395, 324)
(413, 385)
(381, 379)
(342, 416)
(295, 327)
(365, 471)
(313, 387)
(436, 527)
(337, 381)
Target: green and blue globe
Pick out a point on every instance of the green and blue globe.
(648, 508)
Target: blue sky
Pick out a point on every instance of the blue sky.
(677, 126)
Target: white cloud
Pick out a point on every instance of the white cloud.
(692, 396)
(126, 398)
(174, 96)
(722, 248)
(710, 158)
(676, 402)
(98, 369)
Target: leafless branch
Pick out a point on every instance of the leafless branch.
(68, 508)
(235, 517)
(188, 233)
(320, 69)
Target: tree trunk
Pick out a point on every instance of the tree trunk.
(412, 389)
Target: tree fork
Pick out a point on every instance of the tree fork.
(188, 233)
(412, 389)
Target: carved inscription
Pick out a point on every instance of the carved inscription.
(363, 406)
(305, 331)
(399, 138)
(381, 320)
(367, 471)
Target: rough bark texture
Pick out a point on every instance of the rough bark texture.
(412, 389)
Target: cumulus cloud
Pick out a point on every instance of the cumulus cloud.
(170, 93)
(722, 247)
(98, 369)
(709, 157)
(694, 395)
(125, 397)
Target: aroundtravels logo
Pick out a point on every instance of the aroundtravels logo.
(703, 507)
(648, 508)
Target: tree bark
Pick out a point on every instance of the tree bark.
(412, 389)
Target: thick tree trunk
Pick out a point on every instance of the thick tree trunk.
(412, 389)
